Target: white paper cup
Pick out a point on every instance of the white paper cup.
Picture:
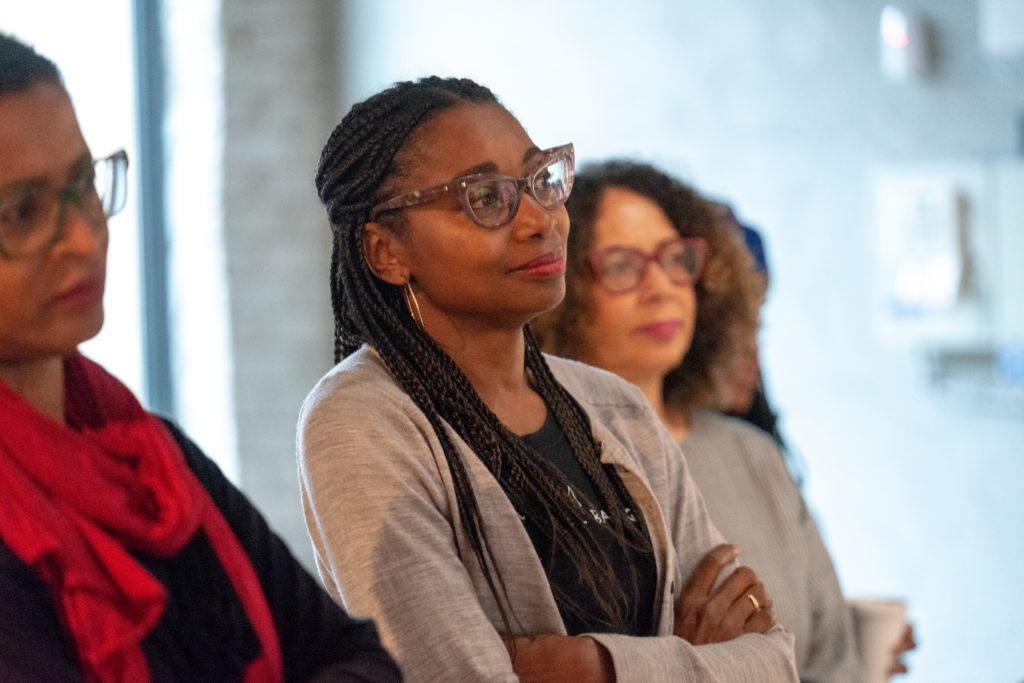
(879, 624)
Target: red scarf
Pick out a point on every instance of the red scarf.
(73, 501)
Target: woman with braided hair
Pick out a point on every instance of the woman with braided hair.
(501, 514)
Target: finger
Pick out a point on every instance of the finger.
(728, 626)
(741, 581)
(726, 611)
(760, 621)
(753, 603)
(898, 667)
(908, 638)
(905, 643)
(756, 598)
(730, 598)
(743, 609)
(707, 571)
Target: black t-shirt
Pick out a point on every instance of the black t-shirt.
(550, 442)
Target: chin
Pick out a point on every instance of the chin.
(84, 330)
(95, 323)
(665, 350)
(539, 305)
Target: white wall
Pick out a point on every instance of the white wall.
(279, 105)
(781, 107)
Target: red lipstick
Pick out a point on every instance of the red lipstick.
(84, 294)
(661, 329)
(546, 265)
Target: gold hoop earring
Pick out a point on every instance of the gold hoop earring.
(412, 304)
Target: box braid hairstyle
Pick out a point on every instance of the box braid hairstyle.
(364, 155)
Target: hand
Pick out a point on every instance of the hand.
(557, 659)
(703, 617)
(905, 644)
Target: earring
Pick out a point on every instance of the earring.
(412, 304)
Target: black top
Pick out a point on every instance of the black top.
(550, 442)
(203, 634)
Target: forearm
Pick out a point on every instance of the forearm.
(561, 659)
(755, 658)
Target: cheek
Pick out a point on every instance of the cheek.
(17, 291)
(607, 321)
(439, 246)
(608, 312)
(562, 223)
(688, 308)
(19, 312)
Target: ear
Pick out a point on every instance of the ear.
(383, 251)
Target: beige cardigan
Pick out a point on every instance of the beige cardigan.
(381, 513)
(755, 504)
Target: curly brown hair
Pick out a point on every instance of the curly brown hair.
(729, 293)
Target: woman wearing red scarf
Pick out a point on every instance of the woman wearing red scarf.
(125, 555)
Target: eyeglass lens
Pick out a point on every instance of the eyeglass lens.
(34, 217)
(621, 269)
(111, 182)
(494, 201)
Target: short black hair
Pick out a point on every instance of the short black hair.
(21, 67)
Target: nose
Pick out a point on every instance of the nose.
(83, 232)
(655, 281)
(532, 219)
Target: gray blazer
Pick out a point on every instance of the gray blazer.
(381, 512)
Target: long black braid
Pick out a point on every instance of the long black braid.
(358, 167)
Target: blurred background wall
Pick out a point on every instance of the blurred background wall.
(907, 409)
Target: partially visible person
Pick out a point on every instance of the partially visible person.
(738, 377)
(740, 393)
(125, 554)
(740, 390)
(502, 515)
(660, 290)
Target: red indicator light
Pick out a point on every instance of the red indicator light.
(895, 34)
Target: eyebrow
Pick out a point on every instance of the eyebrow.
(79, 166)
(491, 167)
(530, 152)
(74, 169)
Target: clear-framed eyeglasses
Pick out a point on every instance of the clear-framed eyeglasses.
(492, 199)
(621, 269)
(33, 217)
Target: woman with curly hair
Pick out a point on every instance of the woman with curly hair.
(661, 290)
